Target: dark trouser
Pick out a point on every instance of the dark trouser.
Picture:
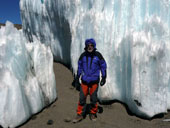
(84, 91)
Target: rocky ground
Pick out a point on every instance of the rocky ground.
(63, 110)
(18, 26)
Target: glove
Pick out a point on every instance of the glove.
(76, 83)
(103, 81)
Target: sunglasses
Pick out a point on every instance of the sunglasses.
(90, 45)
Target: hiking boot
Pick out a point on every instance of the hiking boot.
(77, 119)
(93, 117)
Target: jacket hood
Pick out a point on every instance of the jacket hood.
(88, 41)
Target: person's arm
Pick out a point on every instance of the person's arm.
(103, 71)
(80, 66)
(76, 82)
(103, 67)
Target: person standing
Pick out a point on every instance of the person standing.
(90, 64)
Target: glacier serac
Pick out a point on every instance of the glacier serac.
(132, 35)
(27, 81)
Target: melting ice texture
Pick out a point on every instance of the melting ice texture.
(132, 35)
(27, 82)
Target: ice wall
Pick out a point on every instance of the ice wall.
(27, 81)
(132, 35)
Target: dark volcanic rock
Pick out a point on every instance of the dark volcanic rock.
(18, 26)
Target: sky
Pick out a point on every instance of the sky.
(9, 10)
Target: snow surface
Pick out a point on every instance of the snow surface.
(132, 35)
(27, 81)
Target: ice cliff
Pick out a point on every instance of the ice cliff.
(27, 81)
(132, 35)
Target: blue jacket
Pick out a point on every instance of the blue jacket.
(90, 65)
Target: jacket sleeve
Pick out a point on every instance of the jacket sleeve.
(80, 66)
(103, 65)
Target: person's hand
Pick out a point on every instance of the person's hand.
(103, 81)
(76, 83)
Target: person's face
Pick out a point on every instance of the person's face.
(90, 47)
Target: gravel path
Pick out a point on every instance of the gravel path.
(63, 110)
